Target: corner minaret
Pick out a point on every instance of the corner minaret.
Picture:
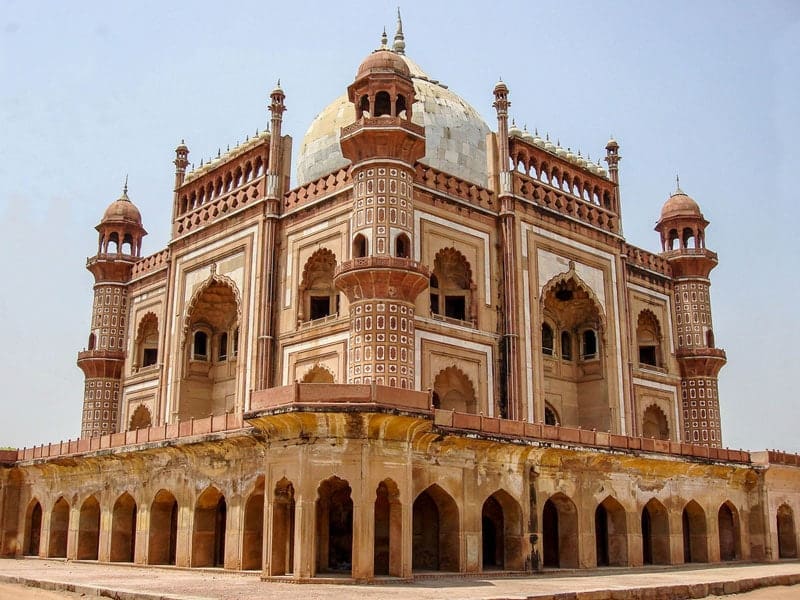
(380, 279)
(119, 248)
(682, 229)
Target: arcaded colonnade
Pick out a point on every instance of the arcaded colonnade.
(370, 495)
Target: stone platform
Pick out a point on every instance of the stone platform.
(130, 582)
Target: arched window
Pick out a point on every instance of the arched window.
(401, 106)
(589, 349)
(566, 345)
(454, 391)
(547, 339)
(402, 246)
(147, 341)
(318, 294)
(200, 346)
(383, 104)
(222, 346)
(550, 415)
(451, 286)
(363, 106)
(360, 247)
(235, 348)
(648, 337)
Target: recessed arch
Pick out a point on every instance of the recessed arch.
(33, 528)
(141, 418)
(455, 391)
(388, 551)
(163, 534)
(787, 537)
(89, 529)
(318, 295)
(729, 532)
(654, 423)
(695, 533)
(560, 532)
(501, 537)
(209, 531)
(655, 533)
(318, 374)
(452, 289)
(435, 531)
(334, 526)
(123, 529)
(648, 339)
(252, 535)
(283, 522)
(611, 534)
(59, 529)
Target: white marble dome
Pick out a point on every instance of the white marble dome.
(455, 134)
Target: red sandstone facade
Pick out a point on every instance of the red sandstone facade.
(433, 351)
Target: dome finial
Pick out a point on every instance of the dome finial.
(384, 40)
(678, 189)
(125, 189)
(399, 45)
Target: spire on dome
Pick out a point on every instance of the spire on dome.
(678, 189)
(384, 40)
(399, 45)
(125, 190)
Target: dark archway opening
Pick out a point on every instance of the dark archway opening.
(334, 526)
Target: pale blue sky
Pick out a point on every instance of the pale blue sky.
(92, 91)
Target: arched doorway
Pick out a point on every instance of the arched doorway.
(59, 528)
(89, 529)
(611, 535)
(501, 525)
(210, 523)
(33, 528)
(334, 526)
(282, 529)
(253, 528)
(787, 539)
(728, 520)
(387, 559)
(655, 534)
(560, 532)
(435, 545)
(123, 529)
(695, 536)
(163, 529)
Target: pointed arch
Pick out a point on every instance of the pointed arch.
(455, 391)
(569, 282)
(147, 341)
(501, 526)
(452, 289)
(163, 538)
(141, 418)
(648, 339)
(655, 533)
(334, 526)
(283, 524)
(252, 536)
(318, 296)
(209, 531)
(388, 549)
(695, 533)
(59, 529)
(435, 531)
(560, 532)
(730, 545)
(89, 529)
(208, 384)
(33, 528)
(318, 374)
(123, 529)
(611, 534)
(655, 424)
(787, 537)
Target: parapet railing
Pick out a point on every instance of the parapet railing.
(158, 433)
(322, 394)
(585, 437)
